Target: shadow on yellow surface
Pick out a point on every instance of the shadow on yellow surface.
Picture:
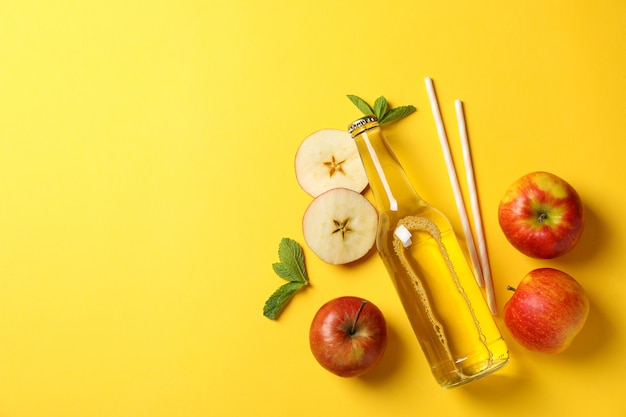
(395, 357)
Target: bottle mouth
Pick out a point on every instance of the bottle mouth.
(361, 122)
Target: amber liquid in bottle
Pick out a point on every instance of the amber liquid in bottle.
(429, 270)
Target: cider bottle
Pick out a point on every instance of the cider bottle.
(437, 288)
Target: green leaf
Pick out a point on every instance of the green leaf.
(361, 104)
(291, 266)
(283, 271)
(277, 301)
(396, 114)
(380, 107)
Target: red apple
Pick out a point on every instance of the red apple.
(348, 336)
(547, 310)
(541, 215)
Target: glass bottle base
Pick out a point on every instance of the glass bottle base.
(460, 378)
(451, 374)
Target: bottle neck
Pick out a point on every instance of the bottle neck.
(390, 185)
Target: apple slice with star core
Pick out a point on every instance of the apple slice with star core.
(329, 159)
(339, 226)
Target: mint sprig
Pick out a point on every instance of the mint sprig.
(381, 109)
(292, 269)
(362, 105)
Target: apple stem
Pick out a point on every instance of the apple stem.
(508, 287)
(542, 217)
(358, 314)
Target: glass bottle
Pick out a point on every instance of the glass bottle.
(431, 275)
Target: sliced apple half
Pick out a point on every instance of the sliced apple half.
(339, 226)
(329, 159)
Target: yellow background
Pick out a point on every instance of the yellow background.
(146, 179)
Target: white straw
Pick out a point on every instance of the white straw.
(447, 154)
(478, 224)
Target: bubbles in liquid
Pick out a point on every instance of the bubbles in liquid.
(420, 224)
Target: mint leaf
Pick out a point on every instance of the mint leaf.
(291, 268)
(361, 104)
(396, 114)
(283, 271)
(380, 107)
(277, 301)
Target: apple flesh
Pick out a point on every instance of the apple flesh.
(348, 336)
(329, 159)
(541, 215)
(340, 225)
(547, 310)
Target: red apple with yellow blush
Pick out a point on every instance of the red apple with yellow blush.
(546, 311)
(541, 215)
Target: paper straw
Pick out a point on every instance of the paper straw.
(478, 224)
(447, 154)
